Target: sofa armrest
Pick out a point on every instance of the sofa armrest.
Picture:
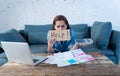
(114, 44)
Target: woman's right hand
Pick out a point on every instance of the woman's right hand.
(50, 45)
(51, 42)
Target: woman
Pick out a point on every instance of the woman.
(60, 23)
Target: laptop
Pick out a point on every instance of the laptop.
(19, 52)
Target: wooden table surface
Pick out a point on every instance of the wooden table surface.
(101, 66)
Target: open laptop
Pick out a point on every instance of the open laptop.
(19, 52)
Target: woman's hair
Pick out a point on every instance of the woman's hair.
(59, 18)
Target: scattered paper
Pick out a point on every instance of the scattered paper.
(68, 58)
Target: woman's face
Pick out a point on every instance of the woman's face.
(60, 25)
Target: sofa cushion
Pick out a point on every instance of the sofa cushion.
(12, 35)
(3, 59)
(80, 35)
(113, 59)
(100, 33)
(81, 30)
(108, 52)
(37, 37)
(38, 28)
(90, 48)
(38, 48)
(3, 55)
(39, 33)
(93, 48)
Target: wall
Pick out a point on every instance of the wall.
(17, 13)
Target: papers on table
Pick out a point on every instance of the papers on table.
(68, 58)
(81, 56)
(50, 60)
(65, 59)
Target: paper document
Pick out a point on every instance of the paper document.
(81, 56)
(69, 58)
(50, 60)
(65, 59)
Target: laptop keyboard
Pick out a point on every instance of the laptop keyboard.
(36, 57)
(35, 60)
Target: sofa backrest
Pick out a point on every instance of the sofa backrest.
(11, 35)
(37, 34)
(81, 30)
(38, 28)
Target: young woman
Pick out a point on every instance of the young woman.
(60, 23)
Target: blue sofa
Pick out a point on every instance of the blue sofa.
(105, 39)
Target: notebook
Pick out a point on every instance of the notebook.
(19, 52)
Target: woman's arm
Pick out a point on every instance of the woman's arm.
(72, 44)
(50, 45)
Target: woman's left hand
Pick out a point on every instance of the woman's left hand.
(75, 46)
(84, 44)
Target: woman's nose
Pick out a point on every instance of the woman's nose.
(62, 28)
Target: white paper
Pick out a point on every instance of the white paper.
(68, 58)
(65, 59)
(81, 56)
(50, 60)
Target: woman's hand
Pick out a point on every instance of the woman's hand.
(75, 46)
(50, 44)
(84, 44)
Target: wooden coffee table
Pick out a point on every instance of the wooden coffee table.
(100, 66)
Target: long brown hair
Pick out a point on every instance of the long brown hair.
(58, 18)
